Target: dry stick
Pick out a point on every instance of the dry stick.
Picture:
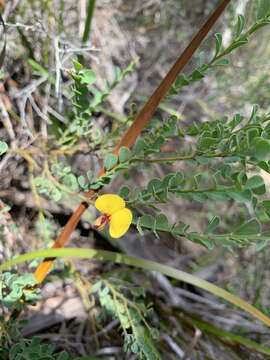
(136, 128)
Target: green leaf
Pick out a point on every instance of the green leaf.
(218, 39)
(264, 166)
(77, 65)
(177, 180)
(154, 185)
(87, 76)
(260, 245)
(263, 9)
(240, 196)
(156, 145)
(96, 287)
(197, 75)
(207, 142)
(37, 67)
(193, 130)
(251, 227)
(124, 154)
(203, 240)
(266, 205)
(139, 146)
(3, 147)
(162, 223)
(202, 160)
(139, 227)
(261, 148)
(256, 184)
(254, 112)
(90, 176)
(168, 180)
(241, 41)
(236, 120)
(110, 161)
(179, 229)
(252, 134)
(124, 191)
(221, 62)
(82, 181)
(147, 221)
(181, 80)
(145, 342)
(46, 187)
(213, 224)
(240, 24)
(98, 98)
(70, 181)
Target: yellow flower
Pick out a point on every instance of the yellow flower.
(115, 213)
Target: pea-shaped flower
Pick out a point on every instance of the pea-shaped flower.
(115, 213)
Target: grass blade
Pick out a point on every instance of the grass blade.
(143, 264)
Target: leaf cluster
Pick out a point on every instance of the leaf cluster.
(132, 314)
(35, 349)
(86, 100)
(229, 151)
(17, 290)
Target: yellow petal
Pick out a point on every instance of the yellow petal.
(109, 203)
(120, 222)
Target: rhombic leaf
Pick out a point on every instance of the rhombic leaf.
(251, 227)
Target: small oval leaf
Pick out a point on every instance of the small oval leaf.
(251, 227)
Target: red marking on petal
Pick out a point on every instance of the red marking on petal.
(101, 221)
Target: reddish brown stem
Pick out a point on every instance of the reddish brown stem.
(149, 108)
(136, 128)
(44, 268)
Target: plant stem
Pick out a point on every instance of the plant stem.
(88, 21)
(183, 158)
(87, 26)
(166, 159)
